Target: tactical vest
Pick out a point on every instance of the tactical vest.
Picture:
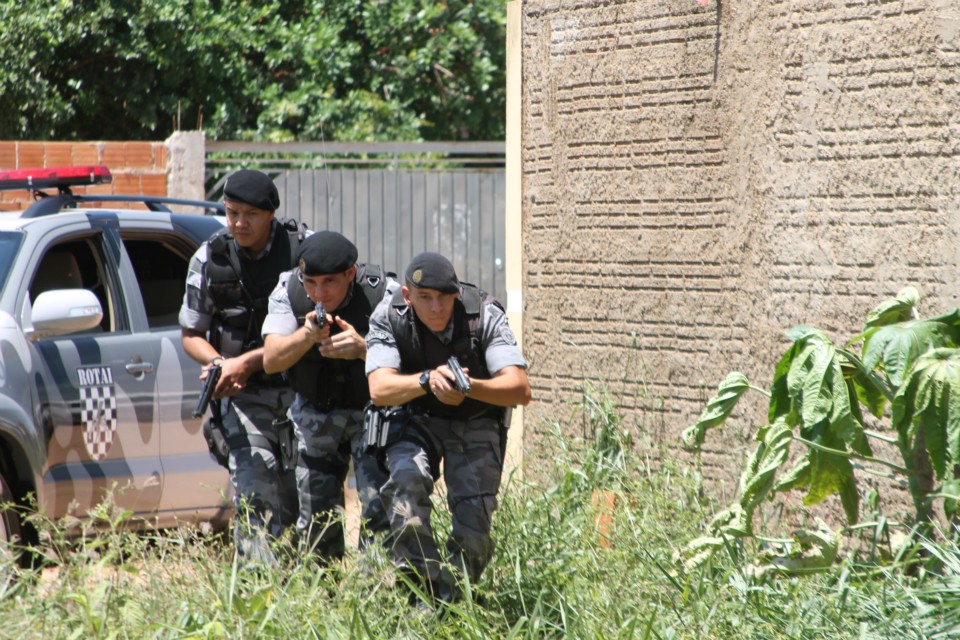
(420, 349)
(334, 382)
(241, 288)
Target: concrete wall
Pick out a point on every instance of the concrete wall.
(696, 179)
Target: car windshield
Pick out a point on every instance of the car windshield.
(9, 245)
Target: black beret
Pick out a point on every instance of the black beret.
(326, 252)
(430, 270)
(252, 187)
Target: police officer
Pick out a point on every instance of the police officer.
(411, 338)
(228, 283)
(324, 360)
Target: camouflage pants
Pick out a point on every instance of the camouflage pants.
(270, 493)
(326, 440)
(472, 463)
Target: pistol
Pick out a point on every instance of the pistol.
(206, 392)
(321, 316)
(460, 379)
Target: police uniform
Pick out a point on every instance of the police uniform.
(469, 438)
(331, 394)
(226, 293)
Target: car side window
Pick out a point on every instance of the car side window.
(160, 264)
(77, 264)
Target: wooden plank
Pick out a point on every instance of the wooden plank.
(445, 226)
(499, 217)
(488, 235)
(308, 194)
(369, 238)
(460, 224)
(431, 213)
(348, 214)
(474, 238)
(405, 221)
(288, 188)
(390, 237)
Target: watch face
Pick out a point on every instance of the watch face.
(425, 381)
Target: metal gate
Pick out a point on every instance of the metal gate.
(454, 206)
(391, 215)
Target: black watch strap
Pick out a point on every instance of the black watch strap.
(425, 381)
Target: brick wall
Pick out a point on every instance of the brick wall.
(137, 167)
(698, 179)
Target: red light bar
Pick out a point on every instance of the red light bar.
(54, 177)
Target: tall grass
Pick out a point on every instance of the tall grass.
(554, 575)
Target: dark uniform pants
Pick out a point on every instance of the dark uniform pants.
(472, 454)
(326, 440)
(258, 479)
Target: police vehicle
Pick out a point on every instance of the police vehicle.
(96, 392)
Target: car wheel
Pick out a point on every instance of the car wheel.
(10, 531)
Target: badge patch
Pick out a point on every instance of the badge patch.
(378, 335)
(98, 411)
(507, 334)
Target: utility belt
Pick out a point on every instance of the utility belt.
(220, 444)
(267, 380)
(385, 426)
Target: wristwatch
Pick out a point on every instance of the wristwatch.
(425, 381)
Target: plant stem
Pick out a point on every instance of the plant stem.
(853, 456)
(880, 436)
(897, 479)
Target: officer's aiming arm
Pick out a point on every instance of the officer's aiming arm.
(507, 388)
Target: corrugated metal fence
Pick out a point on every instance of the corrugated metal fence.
(411, 202)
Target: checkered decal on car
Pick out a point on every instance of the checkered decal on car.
(99, 416)
(98, 411)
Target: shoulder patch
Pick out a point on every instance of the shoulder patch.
(506, 334)
(379, 335)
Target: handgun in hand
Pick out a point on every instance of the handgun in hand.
(321, 316)
(206, 392)
(460, 379)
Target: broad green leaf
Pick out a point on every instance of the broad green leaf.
(781, 403)
(812, 551)
(850, 496)
(898, 309)
(718, 409)
(897, 346)
(758, 476)
(831, 473)
(797, 477)
(951, 500)
(869, 394)
(930, 400)
(817, 399)
(858, 442)
(869, 388)
(801, 332)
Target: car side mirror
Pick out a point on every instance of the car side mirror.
(61, 311)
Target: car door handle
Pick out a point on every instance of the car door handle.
(139, 368)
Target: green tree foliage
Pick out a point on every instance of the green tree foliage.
(269, 70)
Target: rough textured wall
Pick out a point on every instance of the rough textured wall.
(697, 179)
